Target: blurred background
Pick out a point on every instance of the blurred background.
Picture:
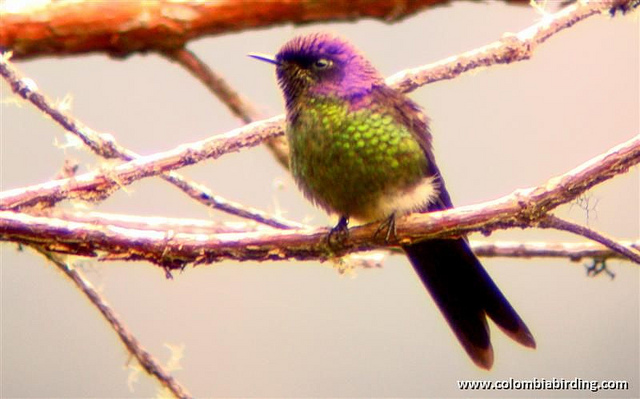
(300, 329)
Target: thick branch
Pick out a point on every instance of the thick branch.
(523, 208)
(123, 27)
(574, 250)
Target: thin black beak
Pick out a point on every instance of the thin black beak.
(264, 57)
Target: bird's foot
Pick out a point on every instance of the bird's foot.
(340, 232)
(389, 224)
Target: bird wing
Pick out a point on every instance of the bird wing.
(410, 114)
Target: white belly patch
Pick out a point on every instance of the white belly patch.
(404, 201)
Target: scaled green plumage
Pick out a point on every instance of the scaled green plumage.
(345, 159)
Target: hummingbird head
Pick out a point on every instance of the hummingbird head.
(322, 64)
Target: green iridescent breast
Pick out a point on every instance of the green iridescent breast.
(345, 161)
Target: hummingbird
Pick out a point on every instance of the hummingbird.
(363, 151)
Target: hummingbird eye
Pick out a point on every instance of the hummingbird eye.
(322, 64)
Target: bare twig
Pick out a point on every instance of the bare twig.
(160, 223)
(76, 27)
(205, 196)
(146, 360)
(511, 48)
(101, 144)
(96, 185)
(215, 83)
(523, 208)
(238, 105)
(106, 146)
(555, 222)
(572, 250)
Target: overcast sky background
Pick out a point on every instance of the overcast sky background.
(299, 329)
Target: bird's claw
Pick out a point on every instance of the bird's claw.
(340, 231)
(389, 224)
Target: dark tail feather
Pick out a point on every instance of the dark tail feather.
(465, 294)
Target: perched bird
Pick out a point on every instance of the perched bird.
(362, 150)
